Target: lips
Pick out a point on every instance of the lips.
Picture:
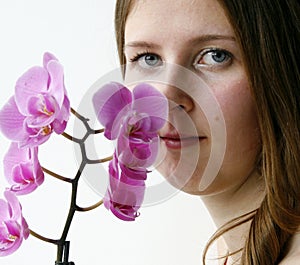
(176, 141)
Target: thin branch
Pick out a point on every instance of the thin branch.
(38, 236)
(98, 131)
(70, 137)
(56, 175)
(86, 209)
(62, 244)
(99, 161)
(85, 122)
(76, 114)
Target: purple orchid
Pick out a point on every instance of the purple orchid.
(125, 192)
(39, 107)
(133, 119)
(22, 169)
(13, 226)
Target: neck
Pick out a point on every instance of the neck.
(230, 204)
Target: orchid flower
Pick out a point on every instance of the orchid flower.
(22, 169)
(39, 107)
(13, 226)
(125, 192)
(133, 119)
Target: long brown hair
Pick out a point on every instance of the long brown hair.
(268, 33)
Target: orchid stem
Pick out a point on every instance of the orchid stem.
(86, 209)
(77, 115)
(86, 124)
(56, 175)
(62, 243)
(98, 131)
(70, 137)
(99, 161)
(49, 240)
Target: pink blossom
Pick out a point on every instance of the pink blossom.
(13, 226)
(22, 169)
(133, 119)
(39, 107)
(125, 192)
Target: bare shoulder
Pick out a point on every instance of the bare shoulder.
(293, 256)
(291, 260)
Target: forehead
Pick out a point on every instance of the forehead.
(163, 18)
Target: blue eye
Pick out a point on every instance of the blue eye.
(213, 58)
(147, 60)
(151, 59)
(218, 56)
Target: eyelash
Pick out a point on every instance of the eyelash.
(138, 55)
(228, 60)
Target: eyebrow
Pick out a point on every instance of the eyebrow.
(201, 39)
(140, 44)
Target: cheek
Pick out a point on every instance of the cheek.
(243, 135)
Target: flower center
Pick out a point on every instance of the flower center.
(46, 130)
(44, 103)
(12, 238)
(46, 111)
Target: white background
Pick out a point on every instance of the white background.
(80, 33)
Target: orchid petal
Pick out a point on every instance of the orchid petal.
(139, 174)
(10, 245)
(111, 102)
(26, 230)
(11, 121)
(14, 205)
(60, 122)
(129, 191)
(56, 87)
(125, 201)
(47, 58)
(59, 127)
(36, 104)
(124, 212)
(13, 226)
(39, 122)
(22, 169)
(14, 156)
(137, 152)
(42, 105)
(31, 83)
(125, 194)
(22, 173)
(140, 122)
(37, 136)
(24, 179)
(3, 211)
(42, 110)
(149, 100)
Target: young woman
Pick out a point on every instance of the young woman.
(247, 53)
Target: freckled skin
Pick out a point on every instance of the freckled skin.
(175, 43)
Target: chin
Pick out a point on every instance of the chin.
(193, 184)
(190, 186)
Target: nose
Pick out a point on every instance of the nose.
(178, 99)
(176, 87)
(176, 82)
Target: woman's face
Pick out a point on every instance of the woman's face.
(212, 116)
